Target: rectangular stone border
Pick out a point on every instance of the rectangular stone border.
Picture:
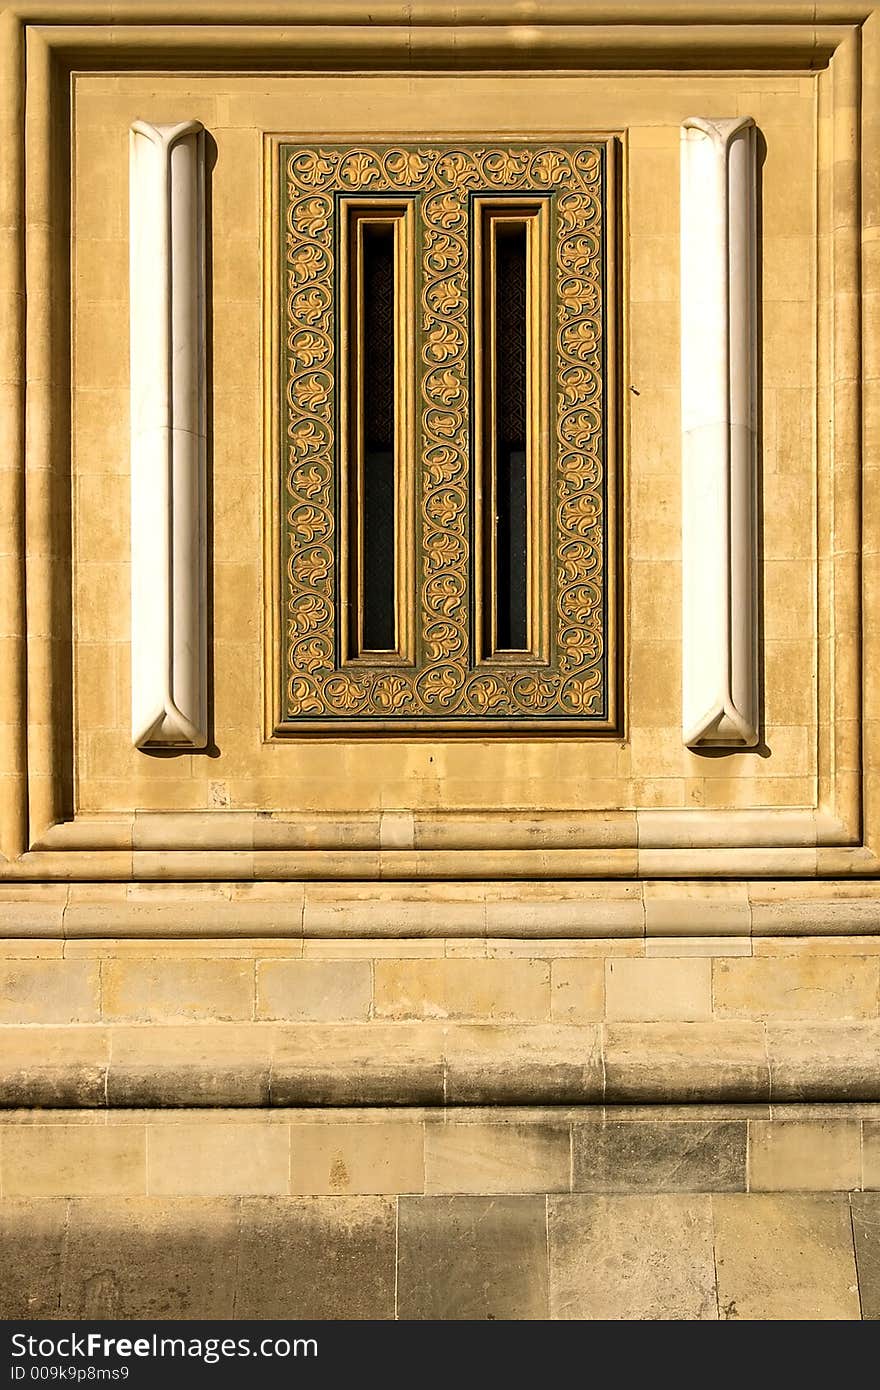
(42, 40)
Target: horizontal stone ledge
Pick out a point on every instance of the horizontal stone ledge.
(438, 866)
(751, 36)
(561, 908)
(694, 828)
(434, 1064)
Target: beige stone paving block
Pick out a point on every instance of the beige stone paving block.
(206, 1159)
(631, 1257)
(49, 991)
(784, 1257)
(170, 991)
(577, 990)
(495, 990)
(357, 1158)
(321, 991)
(531, 1157)
(74, 1161)
(652, 990)
(814, 1155)
(796, 987)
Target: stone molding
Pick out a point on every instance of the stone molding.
(436, 1063)
(718, 423)
(168, 436)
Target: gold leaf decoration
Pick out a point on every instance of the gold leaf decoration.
(444, 684)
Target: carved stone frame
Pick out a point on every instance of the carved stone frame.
(41, 841)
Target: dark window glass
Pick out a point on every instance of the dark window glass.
(376, 523)
(510, 290)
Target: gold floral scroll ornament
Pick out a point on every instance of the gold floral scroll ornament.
(443, 685)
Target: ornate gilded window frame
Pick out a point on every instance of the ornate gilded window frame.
(451, 688)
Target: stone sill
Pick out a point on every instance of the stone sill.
(437, 1064)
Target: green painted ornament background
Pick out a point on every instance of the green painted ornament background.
(444, 685)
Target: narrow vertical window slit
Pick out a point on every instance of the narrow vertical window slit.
(375, 478)
(377, 411)
(511, 430)
(510, 412)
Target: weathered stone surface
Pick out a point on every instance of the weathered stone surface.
(866, 1230)
(628, 1257)
(195, 1064)
(472, 1258)
(316, 1257)
(490, 1158)
(352, 1064)
(32, 1233)
(144, 1257)
(53, 1066)
(645, 1155)
(824, 1061)
(685, 1061)
(525, 1065)
(785, 1257)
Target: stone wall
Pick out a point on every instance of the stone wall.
(698, 1212)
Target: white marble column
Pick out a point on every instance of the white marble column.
(719, 438)
(168, 436)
